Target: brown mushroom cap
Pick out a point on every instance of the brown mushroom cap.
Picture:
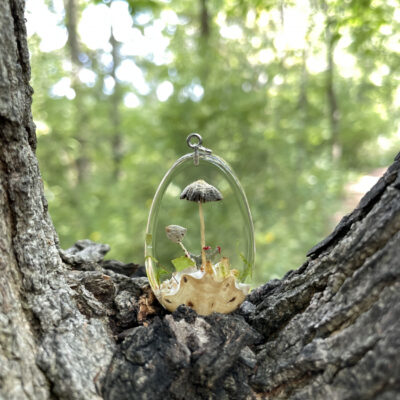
(201, 191)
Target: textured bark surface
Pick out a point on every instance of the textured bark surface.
(48, 348)
(73, 326)
(329, 330)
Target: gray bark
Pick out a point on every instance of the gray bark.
(48, 348)
(329, 330)
(73, 326)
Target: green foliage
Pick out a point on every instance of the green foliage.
(260, 104)
(247, 272)
(182, 263)
(161, 275)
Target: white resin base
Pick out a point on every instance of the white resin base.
(202, 291)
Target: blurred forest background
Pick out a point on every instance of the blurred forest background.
(300, 97)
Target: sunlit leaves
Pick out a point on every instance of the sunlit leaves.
(182, 263)
(257, 94)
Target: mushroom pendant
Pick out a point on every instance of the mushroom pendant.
(200, 202)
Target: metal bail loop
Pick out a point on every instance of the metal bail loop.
(196, 146)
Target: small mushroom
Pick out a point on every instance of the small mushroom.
(176, 233)
(201, 192)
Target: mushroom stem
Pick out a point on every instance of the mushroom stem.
(203, 236)
(187, 254)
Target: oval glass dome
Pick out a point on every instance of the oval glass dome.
(200, 247)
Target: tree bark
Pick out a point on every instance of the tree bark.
(73, 326)
(329, 330)
(48, 348)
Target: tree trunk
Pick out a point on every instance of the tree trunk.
(73, 326)
(48, 348)
(333, 108)
(329, 330)
(115, 115)
(204, 19)
(82, 163)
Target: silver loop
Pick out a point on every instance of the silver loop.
(197, 147)
(194, 145)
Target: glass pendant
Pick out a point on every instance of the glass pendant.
(200, 247)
